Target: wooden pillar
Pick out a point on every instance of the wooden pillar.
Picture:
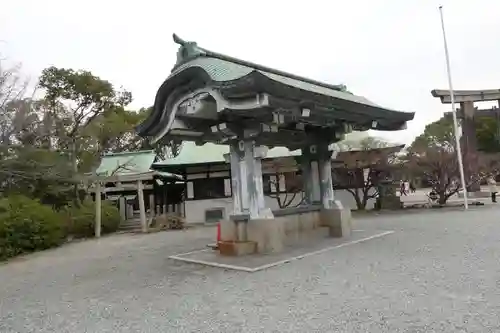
(234, 159)
(305, 165)
(246, 179)
(122, 203)
(259, 185)
(86, 187)
(469, 145)
(142, 208)
(151, 208)
(311, 174)
(183, 209)
(325, 175)
(152, 204)
(97, 224)
(157, 195)
(130, 211)
(165, 199)
(315, 180)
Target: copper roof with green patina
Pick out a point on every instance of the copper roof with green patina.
(190, 153)
(130, 164)
(126, 163)
(212, 153)
(226, 73)
(221, 68)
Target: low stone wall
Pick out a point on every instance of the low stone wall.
(291, 226)
(476, 195)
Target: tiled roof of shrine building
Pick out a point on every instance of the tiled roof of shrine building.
(198, 67)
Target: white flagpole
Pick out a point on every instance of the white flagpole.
(454, 112)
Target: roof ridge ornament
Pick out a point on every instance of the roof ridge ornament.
(178, 40)
(187, 51)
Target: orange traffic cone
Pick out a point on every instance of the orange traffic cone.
(216, 245)
(218, 233)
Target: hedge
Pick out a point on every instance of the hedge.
(80, 220)
(26, 225)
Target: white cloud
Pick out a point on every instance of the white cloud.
(388, 51)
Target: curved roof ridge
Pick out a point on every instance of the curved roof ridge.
(190, 50)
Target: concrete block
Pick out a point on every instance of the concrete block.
(316, 218)
(228, 230)
(266, 213)
(338, 220)
(291, 227)
(307, 222)
(272, 235)
(268, 234)
(230, 248)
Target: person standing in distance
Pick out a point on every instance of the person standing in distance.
(492, 184)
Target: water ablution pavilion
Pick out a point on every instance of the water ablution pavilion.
(211, 97)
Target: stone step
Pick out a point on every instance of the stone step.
(131, 222)
(128, 225)
(131, 228)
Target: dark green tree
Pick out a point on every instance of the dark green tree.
(76, 99)
(487, 133)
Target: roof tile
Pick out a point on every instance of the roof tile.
(126, 163)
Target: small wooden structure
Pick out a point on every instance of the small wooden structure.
(126, 176)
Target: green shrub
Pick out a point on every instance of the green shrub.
(26, 225)
(81, 220)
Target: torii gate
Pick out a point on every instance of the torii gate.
(466, 113)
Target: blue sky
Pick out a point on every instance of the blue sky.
(389, 51)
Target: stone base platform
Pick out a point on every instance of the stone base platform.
(257, 262)
(288, 227)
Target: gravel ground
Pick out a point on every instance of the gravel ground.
(438, 273)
